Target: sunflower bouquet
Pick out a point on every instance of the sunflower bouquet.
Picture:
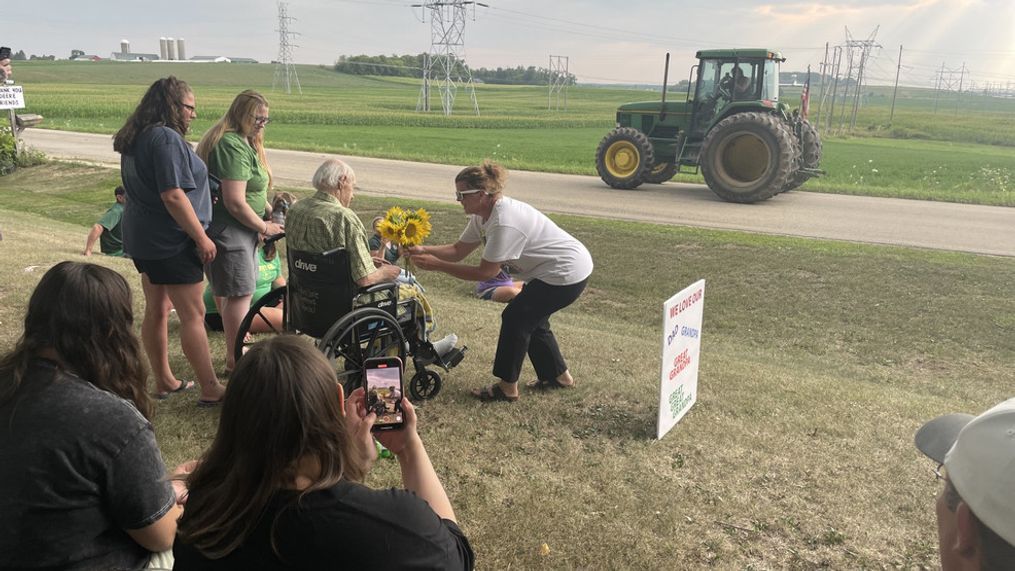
(405, 227)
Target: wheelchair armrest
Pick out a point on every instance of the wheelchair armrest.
(392, 286)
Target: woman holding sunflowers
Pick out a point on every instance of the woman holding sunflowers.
(553, 264)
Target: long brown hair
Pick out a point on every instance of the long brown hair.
(488, 177)
(238, 119)
(161, 105)
(281, 408)
(83, 312)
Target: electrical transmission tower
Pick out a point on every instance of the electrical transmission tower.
(285, 71)
(857, 54)
(558, 80)
(445, 63)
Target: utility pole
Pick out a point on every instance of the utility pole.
(445, 63)
(896, 90)
(558, 79)
(824, 72)
(285, 71)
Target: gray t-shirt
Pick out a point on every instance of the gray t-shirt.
(78, 465)
(160, 160)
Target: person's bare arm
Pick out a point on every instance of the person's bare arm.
(183, 213)
(385, 273)
(484, 271)
(93, 235)
(159, 535)
(448, 252)
(234, 198)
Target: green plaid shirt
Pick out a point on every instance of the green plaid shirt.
(320, 223)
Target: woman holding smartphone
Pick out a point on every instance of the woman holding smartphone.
(554, 266)
(164, 221)
(234, 150)
(281, 486)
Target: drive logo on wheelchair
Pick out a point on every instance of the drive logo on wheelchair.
(307, 267)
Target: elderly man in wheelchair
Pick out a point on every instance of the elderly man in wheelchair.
(347, 300)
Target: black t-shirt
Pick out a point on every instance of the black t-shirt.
(161, 160)
(78, 465)
(348, 526)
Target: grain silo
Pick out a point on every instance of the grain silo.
(163, 50)
(171, 48)
(124, 47)
(180, 52)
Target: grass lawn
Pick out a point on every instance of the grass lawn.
(958, 156)
(819, 361)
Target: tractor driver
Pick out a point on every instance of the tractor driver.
(741, 85)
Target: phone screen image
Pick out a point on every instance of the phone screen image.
(384, 395)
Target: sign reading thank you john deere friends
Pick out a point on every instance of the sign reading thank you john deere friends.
(12, 97)
(678, 390)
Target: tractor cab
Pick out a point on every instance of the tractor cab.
(730, 81)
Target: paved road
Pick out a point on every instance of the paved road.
(936, 225)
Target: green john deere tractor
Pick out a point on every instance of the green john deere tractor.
(748, 145)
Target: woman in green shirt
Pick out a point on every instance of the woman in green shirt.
(234, 151)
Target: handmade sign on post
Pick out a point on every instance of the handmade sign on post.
(12, 97)
(678, 390)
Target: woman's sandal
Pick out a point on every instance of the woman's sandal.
(493, 393)
(184, 385)
(552, 384)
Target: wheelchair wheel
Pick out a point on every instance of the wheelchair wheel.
(424, 385)
(244, 339)
(361, 334)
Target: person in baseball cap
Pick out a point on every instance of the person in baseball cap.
(976, 508)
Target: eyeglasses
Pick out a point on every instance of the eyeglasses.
(262, 120)
(190, 108)
(460, 194)
(940, 473)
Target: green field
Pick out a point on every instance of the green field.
(819, 361)
(964, 156)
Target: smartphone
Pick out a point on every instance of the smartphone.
(383, 377)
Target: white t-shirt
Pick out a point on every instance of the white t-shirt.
(530, 244)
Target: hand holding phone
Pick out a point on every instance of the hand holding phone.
(383, 386)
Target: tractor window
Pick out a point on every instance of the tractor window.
(770, 87)
(708, 73)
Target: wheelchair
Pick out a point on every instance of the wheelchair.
(350, 324)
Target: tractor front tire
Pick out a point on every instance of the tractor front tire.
(661, 172)
(624, 158)
(748, 157)
(810, 153)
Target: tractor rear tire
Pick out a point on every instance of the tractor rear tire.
(810, 153)
(748, 157)
(661, 172)
(624, 158)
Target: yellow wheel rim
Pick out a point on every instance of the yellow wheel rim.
(622, 159)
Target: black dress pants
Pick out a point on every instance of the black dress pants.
(525, 328)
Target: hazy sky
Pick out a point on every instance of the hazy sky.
(622, 42)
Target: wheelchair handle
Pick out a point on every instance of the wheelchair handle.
(274, 238)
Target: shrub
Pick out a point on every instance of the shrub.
(10, 159)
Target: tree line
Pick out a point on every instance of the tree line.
(413, 65)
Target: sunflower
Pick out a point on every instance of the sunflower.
(413, 234)
(390, 231)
